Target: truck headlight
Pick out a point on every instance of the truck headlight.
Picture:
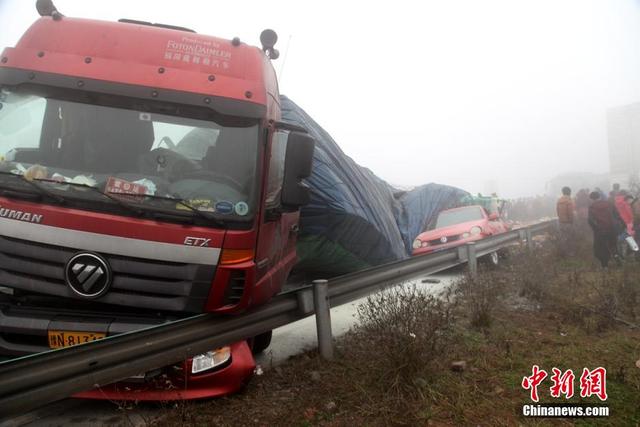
(210, 359)
(475, 230)
(465, 235)
(417, 244)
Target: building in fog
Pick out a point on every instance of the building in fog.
(623, 134)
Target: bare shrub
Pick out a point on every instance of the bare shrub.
(574, 243)
(403, 331)
(532, 275)
(481, 295)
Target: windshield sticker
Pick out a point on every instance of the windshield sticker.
(120, 186)
(200, 204)
(242, 208)
(224, 207)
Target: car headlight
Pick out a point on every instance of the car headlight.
(465, 235)
(210, 359)
(475, 230)
(417, 244)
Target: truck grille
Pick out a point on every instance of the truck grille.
(141, 283)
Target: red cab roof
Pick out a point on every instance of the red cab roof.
(144, 55)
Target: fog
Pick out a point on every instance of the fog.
(491, 95)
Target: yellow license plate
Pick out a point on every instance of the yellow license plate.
(59, 339)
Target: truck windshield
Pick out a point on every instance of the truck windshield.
(458, 216)
(144, 158)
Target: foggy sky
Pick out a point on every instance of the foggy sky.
(456, 92)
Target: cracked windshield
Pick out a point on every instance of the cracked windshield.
(60, 148)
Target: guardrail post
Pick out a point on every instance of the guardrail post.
(522, 235)
(472, 260)
(323, 318)
(529, 239)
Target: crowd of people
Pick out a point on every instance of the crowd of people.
(614, 219)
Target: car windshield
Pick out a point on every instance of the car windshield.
(144, 158)
(458, 216)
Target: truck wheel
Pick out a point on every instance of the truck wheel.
(261, 342)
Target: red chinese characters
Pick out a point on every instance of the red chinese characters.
(531, 383)
(562, 383)
(594, 382)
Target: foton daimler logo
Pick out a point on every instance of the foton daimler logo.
(88, 275)
(20, 215)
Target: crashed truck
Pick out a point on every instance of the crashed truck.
(149, 173)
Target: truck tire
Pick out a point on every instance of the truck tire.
(261, 342)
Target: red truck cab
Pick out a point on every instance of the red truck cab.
(144, 177)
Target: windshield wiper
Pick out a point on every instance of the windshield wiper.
(181, 202)
(41, 189)
(122, 203)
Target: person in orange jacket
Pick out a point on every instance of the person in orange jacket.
(565, 208)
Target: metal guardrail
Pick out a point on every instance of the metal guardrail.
(33, 381)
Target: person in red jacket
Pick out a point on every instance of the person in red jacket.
(622, 204)
(623, 217)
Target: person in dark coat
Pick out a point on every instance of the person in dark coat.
(601, 220)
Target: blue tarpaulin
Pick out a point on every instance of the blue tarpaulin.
(355, 219)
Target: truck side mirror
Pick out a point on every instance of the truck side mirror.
(493, 216)
(297, 166)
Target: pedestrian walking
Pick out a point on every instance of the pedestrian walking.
(565, 209)
(602, 223)
(615, 191)
(582, 204)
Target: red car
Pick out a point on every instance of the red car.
(455, 227)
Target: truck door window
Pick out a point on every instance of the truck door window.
(276, 168)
